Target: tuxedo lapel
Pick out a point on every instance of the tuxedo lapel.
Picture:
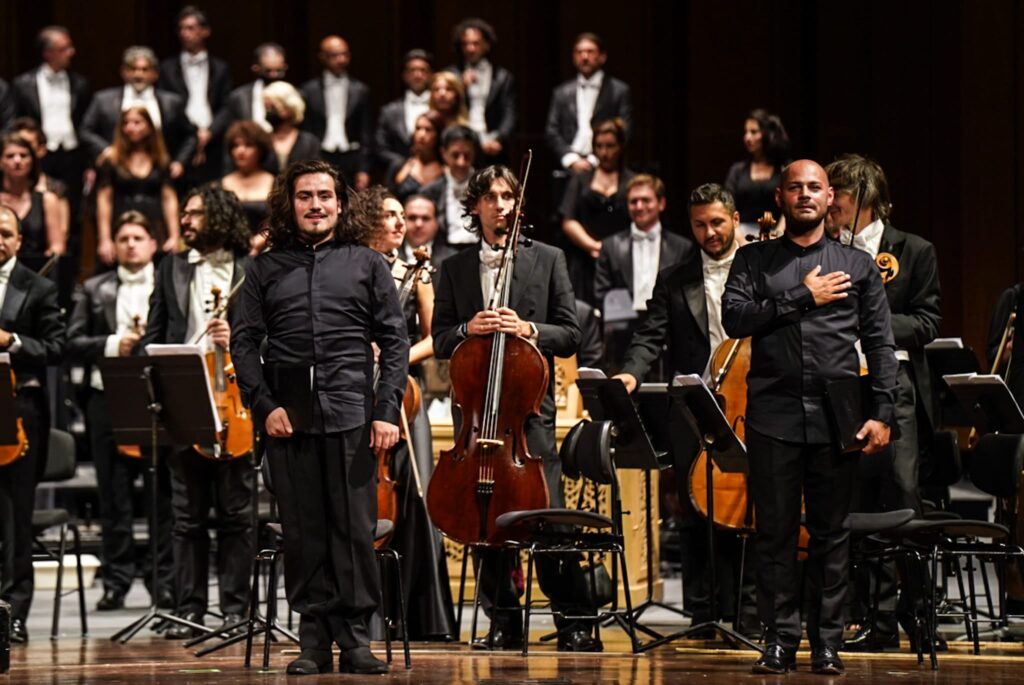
(624, 250)
(470, 285)
(693, 293)
(604, 95)
(521, 275)
(33, 94)
(106, 293)
(182, 276)
(17, 291)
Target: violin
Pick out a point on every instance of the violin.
(235, 438)
(498, 381)
(133, 451)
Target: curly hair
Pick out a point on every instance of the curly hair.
(480, 185)
(226, 223)
(485, 29)
(281, 229)
(368, 209)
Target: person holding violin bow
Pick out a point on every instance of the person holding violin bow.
(109, 314)
(320, 300)
(32, 333)
(541, 309)
(182, 310)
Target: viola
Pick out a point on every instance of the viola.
(11, 453)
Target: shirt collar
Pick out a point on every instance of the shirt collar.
(143, 275)
(130, 94)
(455, 184)
(712, 264)
(51, 75)
(869, 236)
(414, 99)
(215, 258)
(5, 271)
(331, 79)
(653, 234)
(799, 249)
(595, 80)
(200, 58)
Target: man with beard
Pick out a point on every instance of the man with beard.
(214, 227)
(320, 300)
(805, 300)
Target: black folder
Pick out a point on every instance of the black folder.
(849, 404)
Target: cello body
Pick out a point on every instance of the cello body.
(11, 453)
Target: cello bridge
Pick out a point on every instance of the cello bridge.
(489, 442)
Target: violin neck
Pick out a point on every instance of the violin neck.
(219, 377)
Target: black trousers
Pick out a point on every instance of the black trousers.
(197, 485)
(326, 489)
(17, 500)
(779, 473)
(115, 476)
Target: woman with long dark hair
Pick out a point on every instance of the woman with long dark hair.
(752, 181)
(248, 146)
(423, 166)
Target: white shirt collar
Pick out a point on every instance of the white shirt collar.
(143, 275)
(867, 239)
(201, 57)
(50, 74)
(414, 99)
(595, 80)
(725, 262)
(220, 256)
(330, 78)
(149, 93)
(653, 234)
(455, 184)
(6, 269)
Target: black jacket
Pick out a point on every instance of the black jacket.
(218, 82)
(501, 109)
(30, 310)
(615, 264)
(358, 116)
(391, 141)
(613, 100)
(104, 113)
(25, 96)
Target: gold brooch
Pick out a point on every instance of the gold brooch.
(888, 266)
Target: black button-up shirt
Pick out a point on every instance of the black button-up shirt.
(798, 347)
(321, 308)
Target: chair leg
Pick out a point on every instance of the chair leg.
(76, 536)
(528, 602)
(462, 589)
(254, 599)
(396, 558)
(968, 628)
(739, 583)
(58, 595)
(271, 618)
(477, 571)
(933, 621)
(631, 617)
(382, 595)
(593, 593)
(973, 604)
(994, 621)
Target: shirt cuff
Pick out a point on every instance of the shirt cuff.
(592, 158)
(110, 348)
(797, 299)
(15, 345)
(535, 334)
(570, 158)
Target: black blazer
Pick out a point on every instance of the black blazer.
(915, 304)
(25, 97)
(93, 318)
(391, 141)
(218, 82)
(358, 116)
(615, 264)
(30, 309)
(613, 100)
(307, 146)
(500, 110)
(105, 111)
(237, 107)
(437, 191)
(169, 303)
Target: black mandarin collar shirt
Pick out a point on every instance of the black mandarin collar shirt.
(798, 347)
(321, 308)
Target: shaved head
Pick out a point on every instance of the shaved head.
(804, 196)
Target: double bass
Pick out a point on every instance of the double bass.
(498, 381)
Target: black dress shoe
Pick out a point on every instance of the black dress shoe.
(579, 640)
(498, 638)
(872, 639)
(112, 600)
(180, 631)
(826, 661)
(311, 662)
(165, 599)
(362, 661)
(775, 660)
(236, 620)
(19, 633)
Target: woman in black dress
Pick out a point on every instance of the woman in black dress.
(42, 232)
(594, 206)
(285, 111)
(423, 166)
(753, 181)
(133, 175)
(249, 145)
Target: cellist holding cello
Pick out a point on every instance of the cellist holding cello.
(540, 312)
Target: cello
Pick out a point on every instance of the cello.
(498, 381)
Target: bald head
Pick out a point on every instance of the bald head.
(804, 196)
(334, 54)
(10, 234)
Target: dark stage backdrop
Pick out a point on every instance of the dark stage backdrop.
(930, 90)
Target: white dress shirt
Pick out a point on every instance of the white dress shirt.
(147, 99)
(196, 70)
(414, 107)
(477, 93)
(5, 278)
(457, 224)
(646, 255)
(336, 103)
(133, 291)
(213, 270)
(716, 272)
(54, 90)
(582, 146)
(259, 112)
(490, 261)
(869, 239)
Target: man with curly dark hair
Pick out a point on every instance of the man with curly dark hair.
(321, 300)
(215, 228)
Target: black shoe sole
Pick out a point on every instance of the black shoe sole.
(767, 670)
(828, 670)
(326, 668)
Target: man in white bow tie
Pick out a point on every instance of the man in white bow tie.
(397, 119)
(214, 226)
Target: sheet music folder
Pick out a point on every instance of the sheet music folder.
(849, 403)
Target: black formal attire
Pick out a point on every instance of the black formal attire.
(797, 348)
(197, 483)
(613, 100)
(591, 352)
(93, 320)
(541, 294)
(318, 310)
(29, 310)
(602, 215)
(141, 193)
(500, 110)
(753, 198)
(307, 146)
(392, 138)
(104, 113)
(358, 124)
(237, 107)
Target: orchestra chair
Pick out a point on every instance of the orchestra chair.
(60, 466)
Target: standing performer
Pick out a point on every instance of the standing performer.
(806, 300)
(320, 301)
(214, 226)
(542, 292)
(32, 332)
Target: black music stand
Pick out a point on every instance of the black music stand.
(989, 403)
(698, 422)
(178, 410)
(606, 399)
(946, 361)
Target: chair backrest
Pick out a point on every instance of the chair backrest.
(60, 457)
(997, 464)
(943, 466)
(594, 452)
(567, 452)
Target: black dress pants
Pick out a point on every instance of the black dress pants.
(197, 485)
(326, 489)
(779, 473)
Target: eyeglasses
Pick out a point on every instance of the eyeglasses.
(193, 213)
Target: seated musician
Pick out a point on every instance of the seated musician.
(541, 309)
(215, 228)
(108, 319)
(32, 333)
(685, 311)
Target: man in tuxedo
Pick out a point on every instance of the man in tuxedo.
(107, 321)
(910, 271)
(398, 118)
(338, 113)
(458, 151)
(490, 89)
(246, 101)
(167, 110)
(204, 83)
(541, 309)
(214, 226)
(32, 333)
(421, 231)
(57, 98)
(579, 103)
